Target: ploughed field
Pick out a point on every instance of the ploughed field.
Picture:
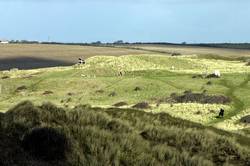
(149, 99)
(32, 56)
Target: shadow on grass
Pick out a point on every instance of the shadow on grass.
(30, 63)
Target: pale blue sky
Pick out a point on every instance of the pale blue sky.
(129, 20)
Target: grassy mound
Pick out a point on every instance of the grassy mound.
(112, 136)
(189, 97)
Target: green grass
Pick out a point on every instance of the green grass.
(165, 134)
(97, 136)
(158, 76)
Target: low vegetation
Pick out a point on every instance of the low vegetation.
(190, 97)
(245, 119)
(142, 105)
(139, 113)
(96, 136)
(106, 80)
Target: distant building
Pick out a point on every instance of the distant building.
(4, 41)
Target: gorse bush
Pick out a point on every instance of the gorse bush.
(48, 135)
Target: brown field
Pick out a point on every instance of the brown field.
(29, 56)
(202, 51)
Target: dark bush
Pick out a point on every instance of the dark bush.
(137, 88)
(198, 113)
(20, 88)
(204, 91)
(100, 91)
(45, 144)
(5, 77)
(189, 97)
(145, 135)
(175, 54)
(142, 105)
(48, 92)
(209, 83)
(245, 119)
(248, 63)
(70, 94)
(212, 76)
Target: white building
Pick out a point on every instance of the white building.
(4, 41)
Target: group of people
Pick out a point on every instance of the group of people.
(81, 61)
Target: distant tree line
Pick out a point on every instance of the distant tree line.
(121, 42)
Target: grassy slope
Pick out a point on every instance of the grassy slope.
(154, 74)
(114, 136)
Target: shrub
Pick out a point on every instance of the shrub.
(175, 54)
(142, 105)
(189, 97)
(45, 144)
(48, 92)
(137, 88)
(5, 77)
(212, 76)
(245, 119)
(100, 91)
(20, 88)
(96, 136)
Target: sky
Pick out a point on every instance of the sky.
(192, 21)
